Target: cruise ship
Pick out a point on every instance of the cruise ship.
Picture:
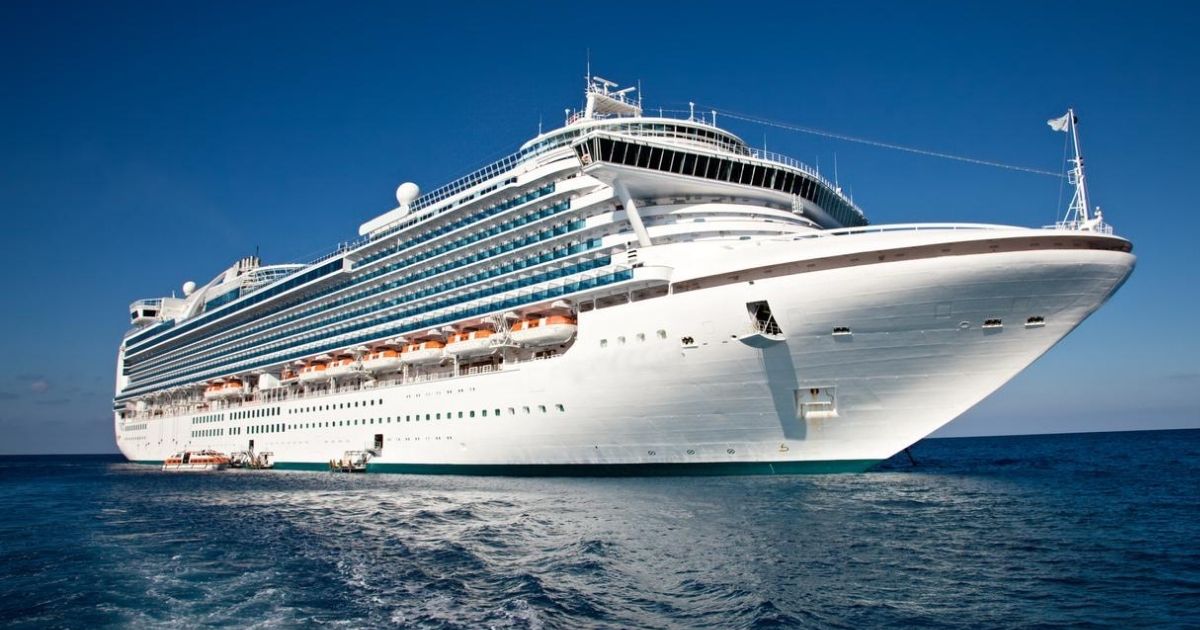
(626, 294)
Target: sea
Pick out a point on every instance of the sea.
(1092, 530)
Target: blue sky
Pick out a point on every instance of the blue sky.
(150, 143)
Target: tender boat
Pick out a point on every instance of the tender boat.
(196, 460)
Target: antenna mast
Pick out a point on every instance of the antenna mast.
(1077, 212)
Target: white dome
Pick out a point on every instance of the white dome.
(407, 193)
(188, 287)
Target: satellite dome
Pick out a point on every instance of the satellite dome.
(407, 193)
(188, 287)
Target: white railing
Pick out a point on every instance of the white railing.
(910, 227)
(1098, 227)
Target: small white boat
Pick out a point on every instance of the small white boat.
(196, 460)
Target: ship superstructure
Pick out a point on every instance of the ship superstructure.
(625, 293)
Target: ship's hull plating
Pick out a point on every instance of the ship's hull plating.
(675, 385)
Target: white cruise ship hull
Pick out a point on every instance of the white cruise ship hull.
(682, 383)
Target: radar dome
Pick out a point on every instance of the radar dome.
(189, 287)
(407, 193)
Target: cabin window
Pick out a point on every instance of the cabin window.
(560, 407)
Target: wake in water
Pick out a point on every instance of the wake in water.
(997, 531)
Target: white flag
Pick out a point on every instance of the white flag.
(1061, 123)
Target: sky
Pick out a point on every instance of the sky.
(146, 144)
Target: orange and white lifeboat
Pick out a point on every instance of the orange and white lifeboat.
(549, 330)
(382, 360)
(231, 388)
(288, 376)
(342, 365)
(315, 370)
(470, 343)
(213, 391)
(196, 460)
(423, 352)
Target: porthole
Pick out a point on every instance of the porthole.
(651, 453)
(691, 451)
(730, 451)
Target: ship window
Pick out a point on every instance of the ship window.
(603, 343)
(497, 412)
(560, 407)
(542, 408)
(460, 414)
(525, 409)
(655, 157)
(641, 336)
(472, 413)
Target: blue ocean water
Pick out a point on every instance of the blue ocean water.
(1094, 529)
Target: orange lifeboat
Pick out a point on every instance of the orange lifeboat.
(232, 388)
(470, 343)
(536, 330)
(213, 391)
(341, 365)
(422, 353)
(314, 370)
(382, 360)
(288, 376)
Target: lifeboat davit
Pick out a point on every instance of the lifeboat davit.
(550, 330)
(340, 366)
(382, 360)
(315, 371)
(471, 343)
(423, 353)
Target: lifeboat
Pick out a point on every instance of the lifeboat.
(231, 389)
(213, 392)
(470, 343)
(342, 365)
(535, 330)
(315, 370)
(382, 360)
(422, 353)
(196, 460)
(288, 376)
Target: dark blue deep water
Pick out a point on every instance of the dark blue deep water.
(1099, 529)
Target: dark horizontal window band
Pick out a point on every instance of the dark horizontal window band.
(445, 286)
(547, 235)
(679, 162)
(524, 219)
(1034, 242)
(302, 277)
